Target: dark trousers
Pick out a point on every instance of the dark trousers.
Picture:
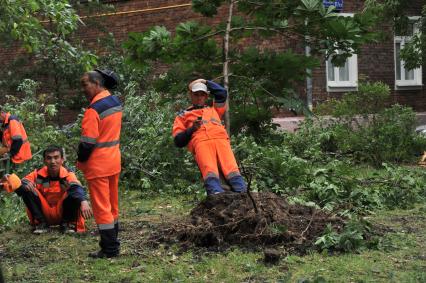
(1, 276)
(70, 206)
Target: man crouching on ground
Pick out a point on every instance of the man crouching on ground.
(54, 196)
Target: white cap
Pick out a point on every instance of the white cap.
(199, 87)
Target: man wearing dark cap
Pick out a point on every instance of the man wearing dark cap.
(99, 156)
(199, 128)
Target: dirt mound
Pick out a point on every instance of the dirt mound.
(262, 219)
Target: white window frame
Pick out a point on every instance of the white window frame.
(416, 82)
(352, 84)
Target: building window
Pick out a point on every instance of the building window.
(342, 78)
(406, 78)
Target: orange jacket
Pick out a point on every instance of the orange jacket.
(99, 148)
(211, 127)
(15, 139)
(54, 190)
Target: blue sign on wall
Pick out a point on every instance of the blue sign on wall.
(336, 3)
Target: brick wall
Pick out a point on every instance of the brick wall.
(376, 61)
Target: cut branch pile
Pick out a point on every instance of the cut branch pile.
(231, 219)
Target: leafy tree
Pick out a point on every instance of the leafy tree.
(37, 23)
(394, 11)
(44, 29)
(261, 77)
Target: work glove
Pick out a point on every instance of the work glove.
(10, 182)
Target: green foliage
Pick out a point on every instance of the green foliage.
(334, 187)
(35, 112)
(365, 129)
(300, 167)
(401, 187)
(369, 99)
(44, 28)
(207, 7)
(12, 211)
(272, 167)
(388, 136)
(395, 12)
(260, 79)
(352, 238)
(151, 161)
(25, 21)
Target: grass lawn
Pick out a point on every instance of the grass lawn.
(55, 257)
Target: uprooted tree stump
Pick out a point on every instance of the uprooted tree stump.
(230, 219)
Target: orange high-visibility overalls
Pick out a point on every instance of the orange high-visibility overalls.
(15, 139)
(210, 144)
(100, 160)
(55, 198)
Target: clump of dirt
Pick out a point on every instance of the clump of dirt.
(258, 219)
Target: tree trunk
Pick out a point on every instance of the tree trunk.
(226, 64)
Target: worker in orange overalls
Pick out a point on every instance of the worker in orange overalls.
(99, 156)
(199, 127)
(14, 139)
(54, 196)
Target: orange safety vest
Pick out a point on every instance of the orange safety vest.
(211, 127)
(13, 130)
(101, 127)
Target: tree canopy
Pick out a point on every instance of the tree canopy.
(261, 77)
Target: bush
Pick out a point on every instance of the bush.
(335, 188)
(353, 237)
(388, 136)
(150, 159)
(361, 128)
(272, 167)
(369, 99)
(12, 211)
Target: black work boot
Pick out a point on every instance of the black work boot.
(101, 254)
(110, 246)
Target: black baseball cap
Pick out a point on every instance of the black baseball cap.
(110, 78)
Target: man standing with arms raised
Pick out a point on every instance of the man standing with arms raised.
(99, 156)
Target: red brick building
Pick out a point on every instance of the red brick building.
(376, 61)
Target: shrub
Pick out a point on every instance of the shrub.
(369, 99)
(150, 159)
(272, 166)
(361, 128)
(12, 211)
(353, 237)
(389, 136)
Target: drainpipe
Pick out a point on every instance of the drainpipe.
(308, 80)
(308, 71)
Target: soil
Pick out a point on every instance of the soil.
(255, 220)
